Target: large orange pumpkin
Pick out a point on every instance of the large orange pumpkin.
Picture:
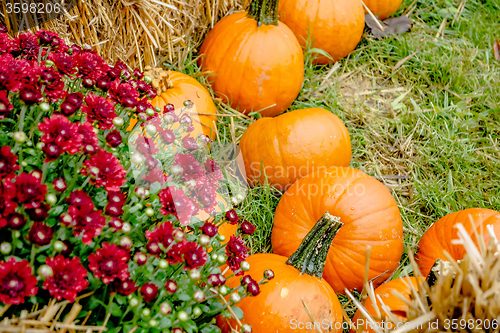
(387, 293)
(334, 26)
(255, 62)
(279, 307)
(293, 144)
(383, 8)
(175, 88)
(439, 236)
(370, 215)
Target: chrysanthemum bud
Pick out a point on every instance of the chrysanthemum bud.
(153, 323)
(214, 256)
(151, 129)
(165, 308)
(150, 112)
(118, 121)
(199, 296)
(177, 170)
(204, 240)
(126, 227)
(134, 302)
(235, 298)
(149, 211)
(221, 258)
(182, 316)
(163, 264)
(45, 107)
(223, 290)
(195, 274)
(49, 63)
(51, 198)
(222, 238)
(146, 312)
(140, 258)
(268, 274)
(20, 137)
(246, 328)
(45, 271)
(171, 286)
(137, 158)
(59, 246)
(5, 248)
(147, 79)
(197, 311)
(245, 266)
(126, 242)
(178, 235)
(40, 145)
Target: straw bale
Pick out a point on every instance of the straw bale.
(140, 32)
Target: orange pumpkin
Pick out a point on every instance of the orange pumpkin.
(293, 144)
(387, 293)
(255, 62)
(278, 307)
(175, 88)
(334, 26)
(383, 8)
(439, 236)
(370, 215)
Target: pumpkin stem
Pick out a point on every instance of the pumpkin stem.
(160, 79)
(311, 255)
(440, 267)
(264, 12)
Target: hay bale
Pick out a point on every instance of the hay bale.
(140, 32)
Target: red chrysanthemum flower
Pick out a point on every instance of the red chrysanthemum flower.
(64, 63)
(79, 199)
(146, 146)
(149, 291)
(6, 43)
(141, 108)
(194, 256)
(16, 281)
(27, 190)
(247, 228)
(90, 142)
(60, 135)
(39, 213)
(105, 170)
(68, 280)
(40, 234)
(8, 162)
(51, 39)
(100, 110)
(54, 85)
(90, 65)
(125, 288)
(71, 104)
(190, 166)
(206, 196)
(114, 138)
(166, 135)
(162, 234)
(85, 220)
(27, 45)
(175, 202)
(123, 93)
(5, 106)
(14, 73)
(109, 263)
(155, 175)
(236, 253)
(116, 200)
(214, 173)
(189, 143)
(175, 253)
(209, 229)
(232, 216)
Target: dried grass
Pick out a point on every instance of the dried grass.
(141, 32)
(464, 297)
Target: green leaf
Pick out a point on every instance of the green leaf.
(155, 188)
(238, 312)
(116, 311)
(319, 51)
(210, 329)
(184, 297)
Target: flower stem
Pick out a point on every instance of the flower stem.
(45, 168)
(33, 255)
(21, 117)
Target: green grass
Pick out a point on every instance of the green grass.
(423, 113)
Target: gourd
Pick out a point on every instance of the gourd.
(297, 279)
(370, 218)
(383, 8)
(254, 61)
(291, 145)
(334, 26)
(439, 237)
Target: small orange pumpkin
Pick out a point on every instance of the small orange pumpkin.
(290, 146)
(383, 8)
(335, 26)
(387, 293)
(439, 236)
(175, 88)
(255, 62)
(279, 305)
(370, 215)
